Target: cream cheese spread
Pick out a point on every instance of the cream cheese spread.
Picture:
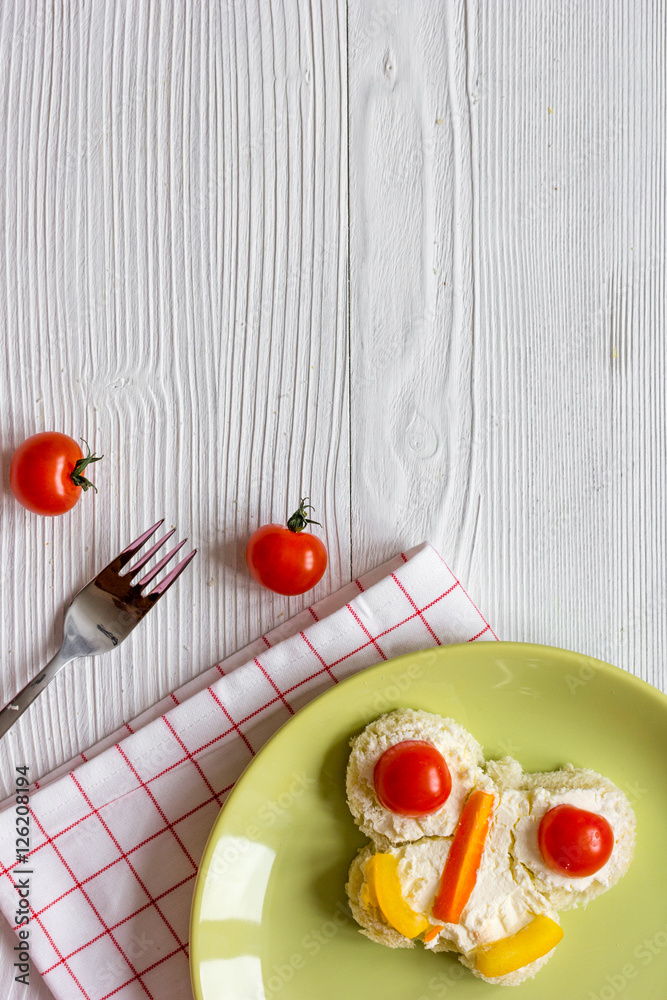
(460, 750)
(513, 884)
(609, 803)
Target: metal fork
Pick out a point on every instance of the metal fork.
(103, 614)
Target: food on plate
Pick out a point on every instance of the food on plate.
(287, 560)
(465, 856)
(384, 887)
(532, 796)
(45, 474)
(483, 871)
(512, 953)
(417, 868)
(461, 753)
(574, 841)
(412, 778)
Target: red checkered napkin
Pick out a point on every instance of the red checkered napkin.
(117, 834)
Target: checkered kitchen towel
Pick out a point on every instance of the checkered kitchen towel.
(116, 835)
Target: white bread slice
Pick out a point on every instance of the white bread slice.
(533, 794)
(374, 926)
(365, 911)
(512, 869)
(460, 750)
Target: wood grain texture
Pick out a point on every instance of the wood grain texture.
(570, 239)
(173, 224)
(507, 260)
(173, 286)
(411, 276)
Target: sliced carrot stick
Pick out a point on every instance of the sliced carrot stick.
(460, 871)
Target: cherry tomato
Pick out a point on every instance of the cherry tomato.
(287, 560)
(45, 473)
(575, 842)
(412, 778)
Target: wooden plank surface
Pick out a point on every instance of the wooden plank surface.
(174, 287)
(411, 292)
(173, 225)
(508, 275)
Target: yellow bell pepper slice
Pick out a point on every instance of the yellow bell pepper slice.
(511, 953)
(382, 875)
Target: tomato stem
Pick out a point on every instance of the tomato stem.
(299, 519)
(76, 476)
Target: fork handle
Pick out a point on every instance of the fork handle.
(14, 709)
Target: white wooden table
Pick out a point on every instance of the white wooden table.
(405, 258)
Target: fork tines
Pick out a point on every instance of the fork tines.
(173, 574)
(132, 549)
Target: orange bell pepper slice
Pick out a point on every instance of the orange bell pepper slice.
(460, 872)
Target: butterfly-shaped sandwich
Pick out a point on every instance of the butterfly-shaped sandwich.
(471, 856)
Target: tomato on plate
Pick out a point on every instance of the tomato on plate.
(287, 560)
(575, 842)
(45, 473)
(411, 778)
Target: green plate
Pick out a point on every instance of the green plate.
(269, 917)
